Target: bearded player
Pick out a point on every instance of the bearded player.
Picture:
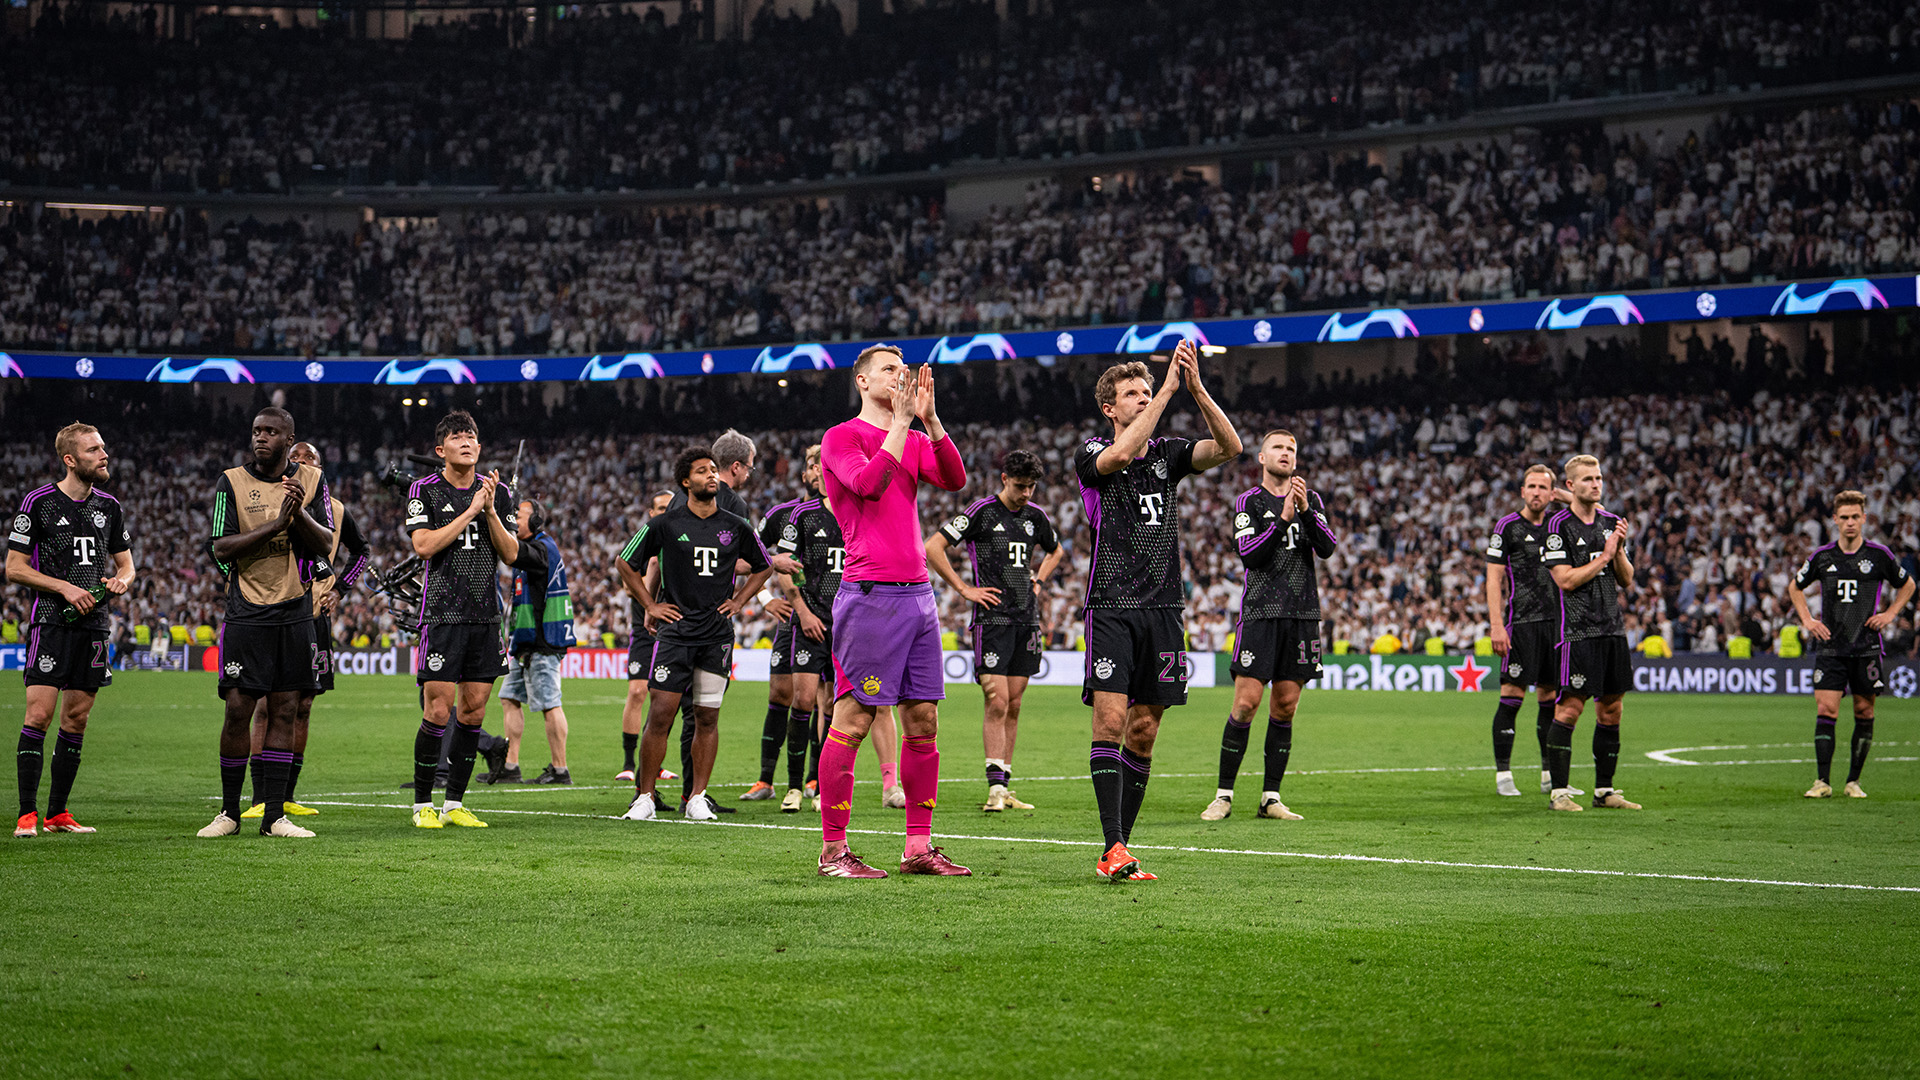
(1136, 646)
(1523, 609)
(886, 628)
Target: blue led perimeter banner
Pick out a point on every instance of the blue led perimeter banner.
(1504, 316)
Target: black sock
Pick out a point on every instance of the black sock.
(629, 744)
(997, 775)
(686, 747)
(1134, 770)
(1279, 749)
(1503, 732)
(1104, 762)
(1540, 725)
(466, 747)
(293, 773)
(1233, 750)
(1823, 728)
(799, 742)
(30, 758)
(233, 776)
(1862, 742)
(1559, 753)
(1606, 755)
(66, 765)
(426, 759)
(773, 734)
(814, 737)
(270, 783)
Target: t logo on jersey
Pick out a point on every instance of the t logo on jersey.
(1150, 507)
(835, 557)
(1016, 554)
(705, 559)
(83, 550)
(1849, 590)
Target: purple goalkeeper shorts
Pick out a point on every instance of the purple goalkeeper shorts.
(886, 644)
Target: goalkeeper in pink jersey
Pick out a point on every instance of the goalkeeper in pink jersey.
(886, 634)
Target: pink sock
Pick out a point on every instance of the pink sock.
(837, 756)
(889, 776)
(920, 775)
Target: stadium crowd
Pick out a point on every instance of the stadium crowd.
(1763, 197)
(1725, 498)
(628, 101)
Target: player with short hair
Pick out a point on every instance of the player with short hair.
(1001, 532)
(640, 639)
(1136, 646)
(1523, 604)
(1280, 527)
(271, 530)
(886, 629)
(326, 589)
(464, 525)
(63, 540)
(699, 546)
(1586, 552)
(1850, 651)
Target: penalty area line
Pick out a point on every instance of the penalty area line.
(1384, 860)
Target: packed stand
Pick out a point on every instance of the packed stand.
(626, 101)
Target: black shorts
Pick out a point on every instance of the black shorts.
(460, 652)
(1141, 653)
(1011, 649)
(323, 636)
(1533, 655)
(674, 664)
(67, 658)
(1277, 650)
(781, 662)
(262, 659)
(639, 656)
(1864, 676)
(1595, 667)
(806, 656)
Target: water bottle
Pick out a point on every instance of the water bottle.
(72, 614)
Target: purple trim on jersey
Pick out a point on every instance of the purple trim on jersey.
(973, 556)
(33, 646)
(353, 572)
(979, 646)
(1240, 505)
(1499, 528)
(1315, 516)
(1090, 500)
(420, 653)
(33, 496)
(1560, 597)
(33, 556)
(426, 565)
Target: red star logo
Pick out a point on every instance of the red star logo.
(1467, 676)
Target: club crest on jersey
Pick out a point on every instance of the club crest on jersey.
(1554, 543)
(1866, 566)
(1103, 668)
(660, 673)
(871, 684)
(1094, 446)
(46, 663)
(233, 669)
(1577, 681)
(1160, 468)
(435, 661)
(1246, 657)
(99, 520)
(725, 536)
(1513, 670)
(633, 667)
(801, 656)
(1027, 525)
(991, 659)
(776, 658)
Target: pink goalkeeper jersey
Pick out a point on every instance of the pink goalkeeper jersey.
(876, 498)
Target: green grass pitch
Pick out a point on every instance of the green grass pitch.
(560, 942)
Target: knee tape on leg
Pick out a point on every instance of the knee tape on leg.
(709, 689)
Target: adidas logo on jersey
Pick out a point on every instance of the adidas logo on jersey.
(820, 532)
(683, 537)
(447, 509)
(999, 528)
(63, 521)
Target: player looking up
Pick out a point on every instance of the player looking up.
(1850, 651)
(1586, 552)
(272, 528)
(1280, 526)
(1136, 646)
(1523, 606)
(699, 546)
(63, 541)
(886, 630)
(1001, 533)
(463, 524)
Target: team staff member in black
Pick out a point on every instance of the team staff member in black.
(698, 546)
(1280, 527)
(61, 543)
(272, 527)
(1136, 644)
(1002, 532)
(1586, 553)
(1852, 574)
(462, 523)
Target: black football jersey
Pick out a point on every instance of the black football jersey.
(463, 579)
(1004, 546)
(72, 541)
(1135, 517)
(697, 557)
(811, 534)
(771, 529)
(1279, 554)
(1518, 545)
(1593, 609)
(1853, 587)
(630, 554)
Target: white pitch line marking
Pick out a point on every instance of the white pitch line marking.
(1666, 757)
(1317, 856)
